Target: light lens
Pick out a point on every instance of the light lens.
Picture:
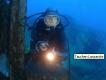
(50, 56)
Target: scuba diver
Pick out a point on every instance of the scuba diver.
(48, 43)
(47, 35)
(47, 46)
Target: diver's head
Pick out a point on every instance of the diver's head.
(51, 18)
(51, 11)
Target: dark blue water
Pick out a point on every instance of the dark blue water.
(86, 34)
